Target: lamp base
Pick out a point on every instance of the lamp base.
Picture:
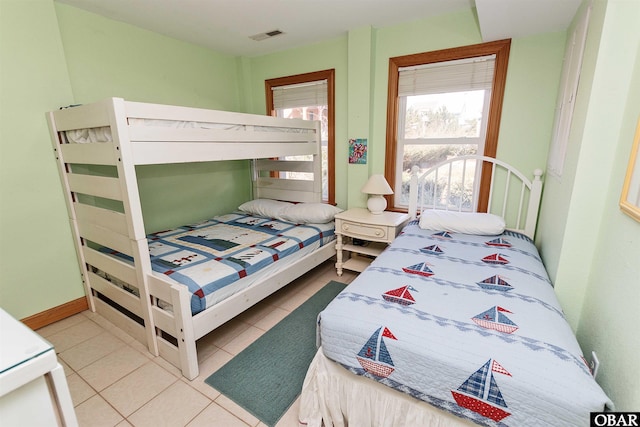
(376, 204)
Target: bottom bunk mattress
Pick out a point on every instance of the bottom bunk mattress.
(221, 256)
(467, 323)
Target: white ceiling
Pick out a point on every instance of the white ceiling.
(500, 19)
(226, 25)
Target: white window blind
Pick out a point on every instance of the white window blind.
(300, 95)
(449, 76)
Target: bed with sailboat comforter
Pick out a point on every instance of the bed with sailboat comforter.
(468, 323)
(221, 256)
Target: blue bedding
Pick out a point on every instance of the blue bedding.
(467, 323)
(212, 254)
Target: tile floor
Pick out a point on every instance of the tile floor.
(115, 381)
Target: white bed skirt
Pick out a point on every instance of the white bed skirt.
(333, 396)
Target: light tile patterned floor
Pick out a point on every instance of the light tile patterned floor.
(114, 381)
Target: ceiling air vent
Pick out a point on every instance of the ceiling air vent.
(267, 35)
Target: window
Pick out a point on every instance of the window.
(310, 97)
(444, 104)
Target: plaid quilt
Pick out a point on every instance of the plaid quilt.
(210, 255)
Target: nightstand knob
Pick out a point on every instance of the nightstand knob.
(378, 232)
(345, 227)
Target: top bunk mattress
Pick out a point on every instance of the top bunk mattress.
(212, 256)
(467, 323)
(103, 133)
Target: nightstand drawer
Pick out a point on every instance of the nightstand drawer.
(365, 231)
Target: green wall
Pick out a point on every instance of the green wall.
(38, 268)
(106, 58)
(54, 55)
(535, 64)
(316, 57)
(362, 61)
(589, 246)
(557, 190)
(97, 57)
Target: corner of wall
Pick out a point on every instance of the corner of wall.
(359, 76)
(245, 92)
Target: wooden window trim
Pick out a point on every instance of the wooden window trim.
(501, 49)
(329, 76)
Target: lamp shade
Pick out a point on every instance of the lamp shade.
(377, 185)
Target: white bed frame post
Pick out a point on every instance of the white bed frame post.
(187, 349)
(131, 201)
(534, 203)
(413, 193)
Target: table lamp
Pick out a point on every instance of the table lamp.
(376, 187)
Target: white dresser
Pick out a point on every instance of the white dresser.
(33, 386)
(374, 231)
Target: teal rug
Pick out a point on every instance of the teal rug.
(266, 377)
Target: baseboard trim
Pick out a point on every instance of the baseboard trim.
(54, 314)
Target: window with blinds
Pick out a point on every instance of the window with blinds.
(442, 104)
(300, 95)
(309, 97)
(449, 76)
(442, 113)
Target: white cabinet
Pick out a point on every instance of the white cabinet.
(33, 387)
(373, 231)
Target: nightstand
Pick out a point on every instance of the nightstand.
(372, 233)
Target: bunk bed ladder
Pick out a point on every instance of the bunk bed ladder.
(94, 222)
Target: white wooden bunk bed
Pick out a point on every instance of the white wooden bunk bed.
(456, 300)
(122, 135)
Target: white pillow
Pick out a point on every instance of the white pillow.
(314, 213)
(462, 222)
(264, 207)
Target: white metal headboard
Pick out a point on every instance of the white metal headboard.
(517, 202)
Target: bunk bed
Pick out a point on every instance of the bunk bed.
(456, 323)
(126, 277)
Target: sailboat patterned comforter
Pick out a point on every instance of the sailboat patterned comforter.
(467, 323)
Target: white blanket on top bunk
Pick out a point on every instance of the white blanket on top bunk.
(467, 323)
(209, 256)
(103, 133)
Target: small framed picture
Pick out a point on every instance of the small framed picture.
(630, 197)
(358, 151)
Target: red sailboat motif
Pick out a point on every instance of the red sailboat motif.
(495, 259)
(499, 242)
(401, 295)
(494, 318)
(480, 392)
(421, 269)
